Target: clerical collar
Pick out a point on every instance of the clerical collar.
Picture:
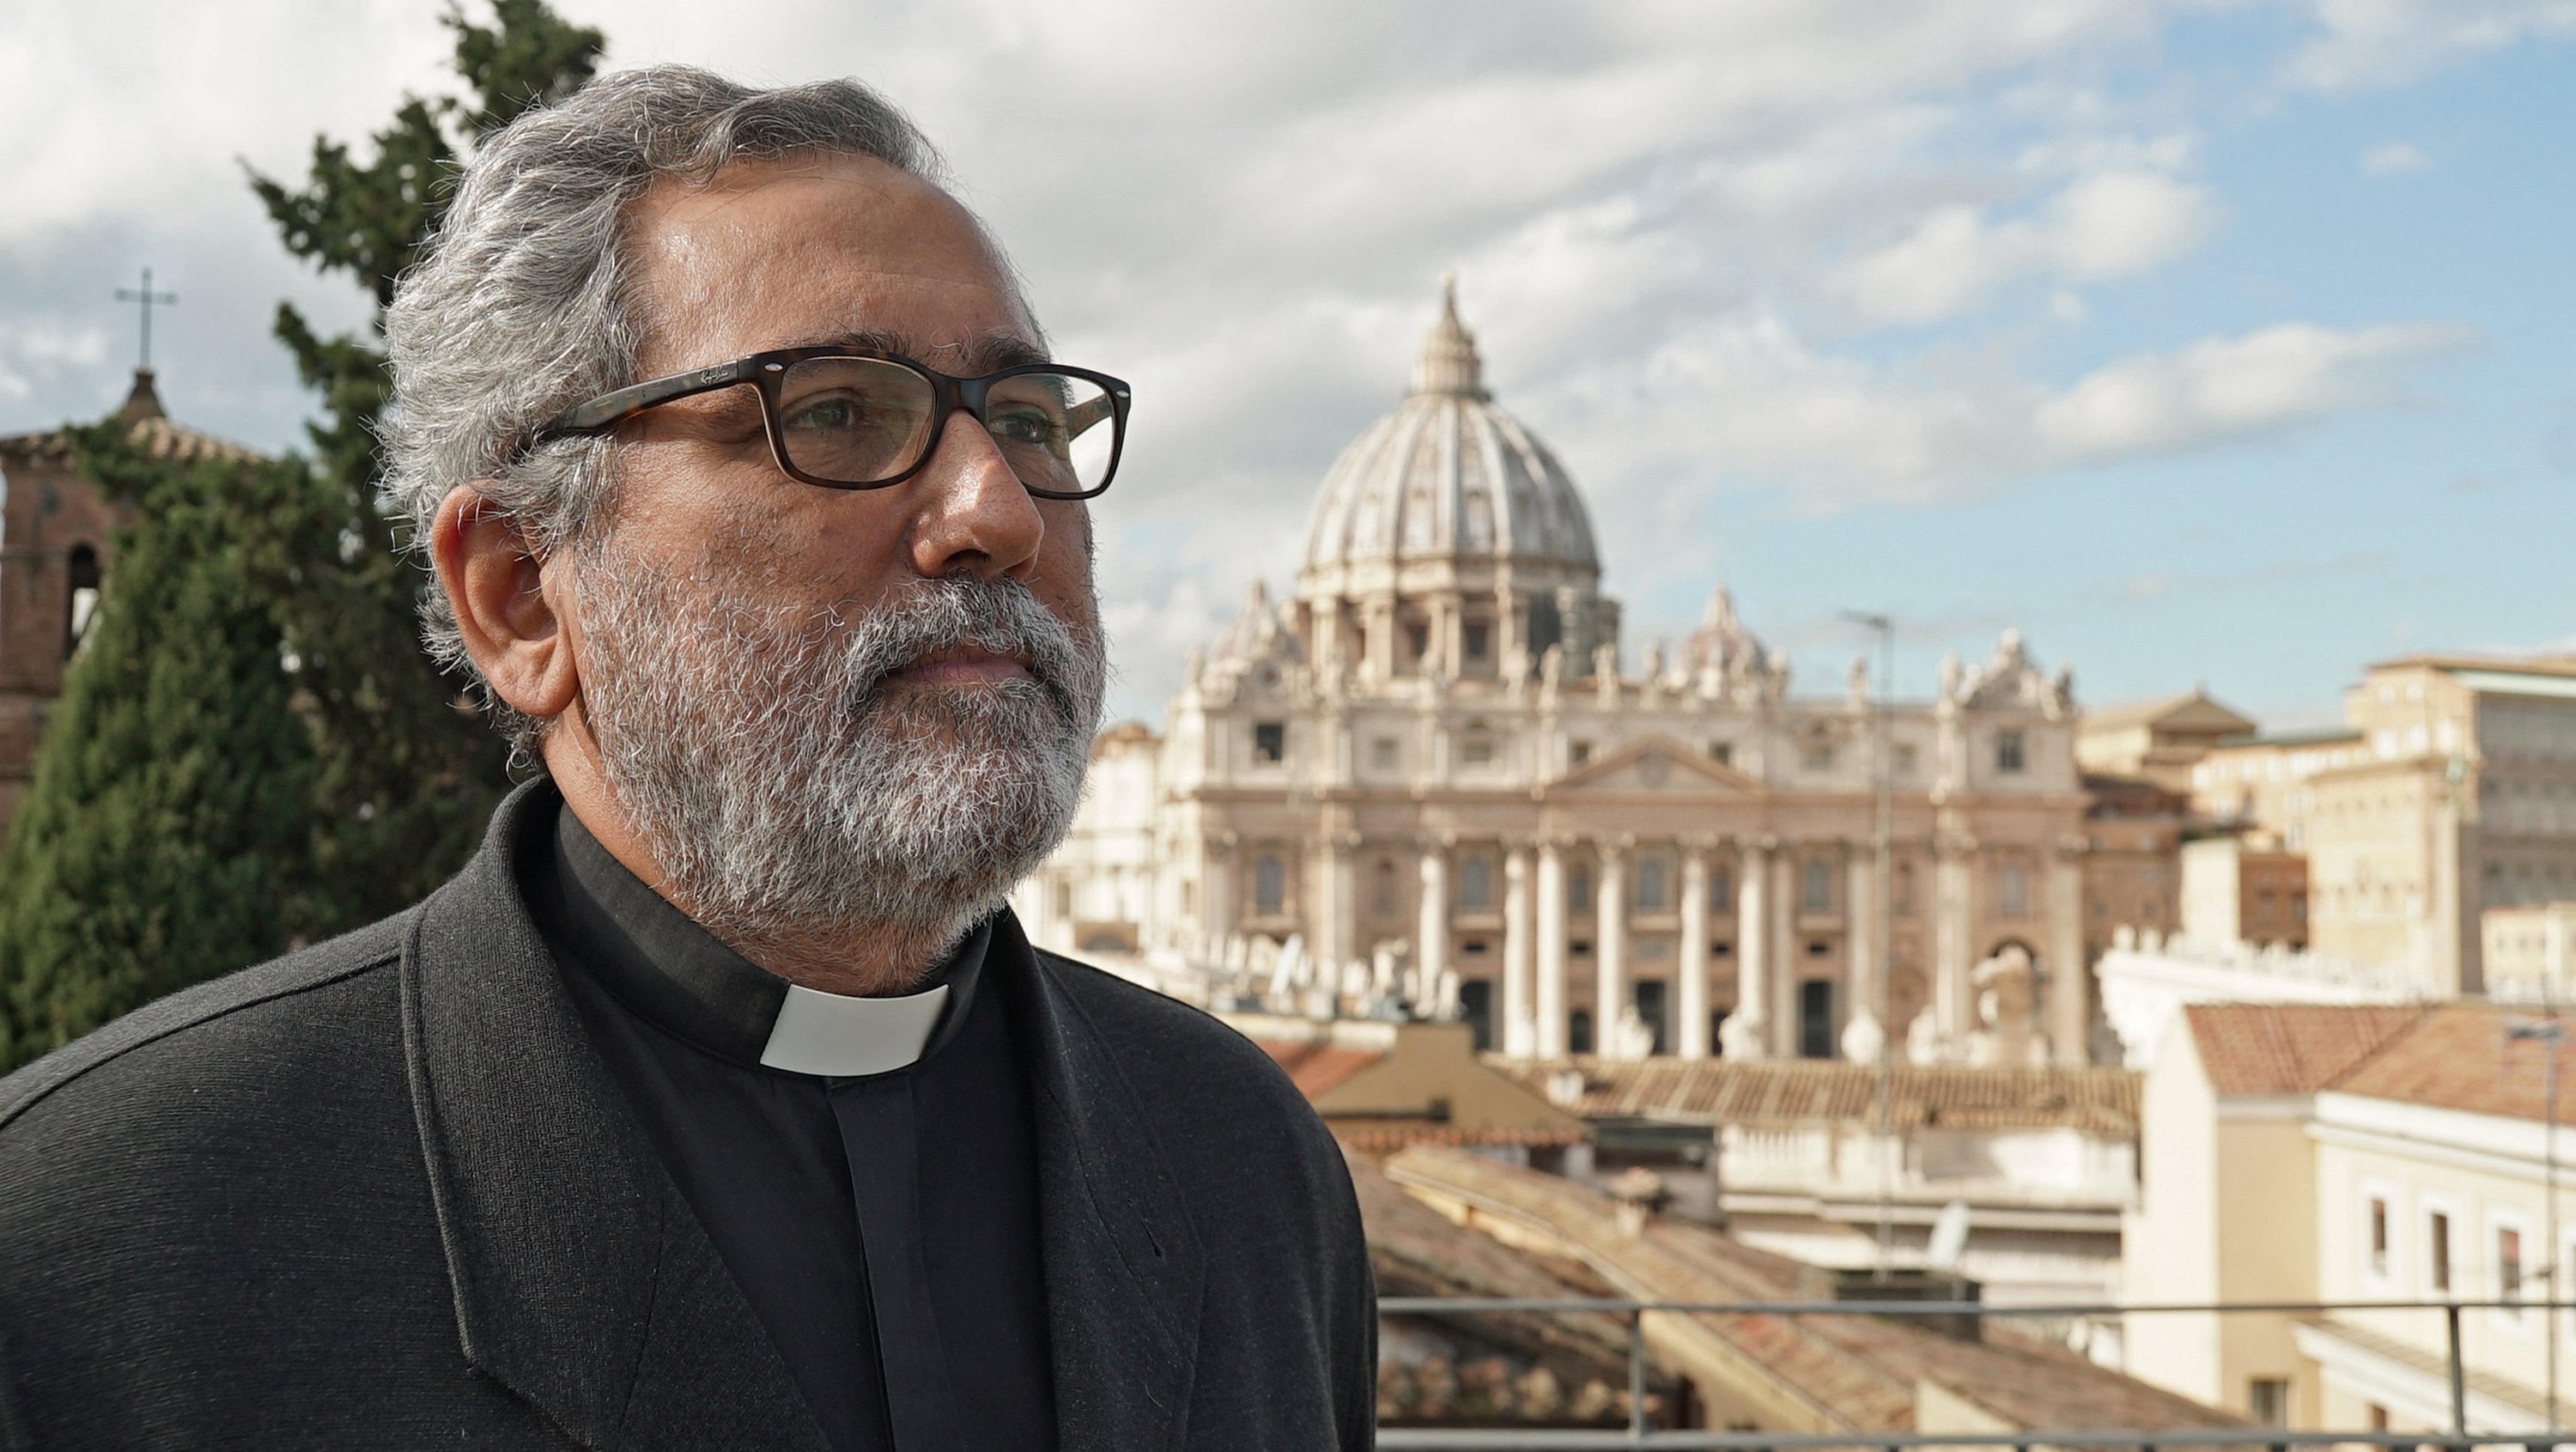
(663, 965)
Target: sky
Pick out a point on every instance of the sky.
(2218, 343)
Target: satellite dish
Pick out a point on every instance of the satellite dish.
(1949, 1238)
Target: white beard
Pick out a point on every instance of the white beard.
(786, 795)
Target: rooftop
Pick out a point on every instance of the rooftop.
(2289, 1048)
(1779, 1091)
(148, 424)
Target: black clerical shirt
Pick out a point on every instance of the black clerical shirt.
(883, 1228)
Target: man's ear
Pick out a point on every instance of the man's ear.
(504, 598)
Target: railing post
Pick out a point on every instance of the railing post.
(2459, 1375)
(1637, 1375)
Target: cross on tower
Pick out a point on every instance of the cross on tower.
(146, 297)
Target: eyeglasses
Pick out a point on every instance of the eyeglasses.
(859, 418)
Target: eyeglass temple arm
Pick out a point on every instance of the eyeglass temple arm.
(605, 410)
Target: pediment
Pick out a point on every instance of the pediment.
(1657, 765)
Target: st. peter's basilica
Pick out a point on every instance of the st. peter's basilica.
(1431, 768)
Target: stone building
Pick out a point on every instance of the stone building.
(56, 546)
(1433, 756)
(2452, 792)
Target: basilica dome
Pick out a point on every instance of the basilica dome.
(1449, 477)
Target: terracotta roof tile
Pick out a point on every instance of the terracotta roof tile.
(2100, 1101)
(1317, 1068)
(2460, 1056)
(2289, 1048)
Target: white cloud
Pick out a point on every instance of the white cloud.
(2393, 158)
(1750, 404)
(2109, 225)
(2369, 43)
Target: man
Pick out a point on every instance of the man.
(718, 1103)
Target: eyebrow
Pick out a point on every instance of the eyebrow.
(990, 353)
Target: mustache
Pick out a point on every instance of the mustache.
(1000, 615)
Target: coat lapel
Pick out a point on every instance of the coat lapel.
(1123, 1260)
(583, 1281)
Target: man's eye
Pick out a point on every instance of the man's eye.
(1027, 426)
(823, 413)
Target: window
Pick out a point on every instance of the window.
(1476, 750)
(1721, 889)
(1578, 752)
(1722, 752)
(1269, 885)
(1385, 894)
(1578, 1031)
(1475, 640)
(1476, 1006)
(1419, 637)
(1904, 893)
(1905, 761)
(1578, 890)
(2267, 1401)
(1064, 899)
(1475, 884)
(82, 565)
(2012, 890)
(1650, 884)
(1818, 884)
(2508, 1263)
(2377, 1219)
(1269, 742)
(2009, 752)
(1817, 755)
(1649, 995)
(1382, 753)
(2437, 1253)
(1816, 1019)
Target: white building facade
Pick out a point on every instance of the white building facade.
(1433, 757)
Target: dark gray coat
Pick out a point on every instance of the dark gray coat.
(381, 1193)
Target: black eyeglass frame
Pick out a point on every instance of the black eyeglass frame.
(765, 371)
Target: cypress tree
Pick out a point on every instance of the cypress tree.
(166, 836)
(405, 772)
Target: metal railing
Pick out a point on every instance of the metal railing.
(1641, 1433)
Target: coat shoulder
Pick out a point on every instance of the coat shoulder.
(1173, 1049)
(173, 1037)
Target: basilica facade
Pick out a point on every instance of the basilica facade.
(1434, 756)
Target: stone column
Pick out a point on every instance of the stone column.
(1953, 956)
(1551, 949)
(1692, 961)
(1610, 948)
(1863, 1034)
(1520, 1026)
(1747, 1033)
(1216, 896)
(1332, 942)
(2070, 978)
(1786, 891)
(1431, 934)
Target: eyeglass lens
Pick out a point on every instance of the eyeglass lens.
(863, 420)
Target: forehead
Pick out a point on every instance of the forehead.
(776, 254)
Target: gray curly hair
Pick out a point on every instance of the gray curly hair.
(522, 305)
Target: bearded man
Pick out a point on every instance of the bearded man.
(719, 1102)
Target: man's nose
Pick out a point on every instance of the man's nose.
(975, 515)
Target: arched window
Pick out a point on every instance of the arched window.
(82, 607)
(1578, 1031)
(1269, 885)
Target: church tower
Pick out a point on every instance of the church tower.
(56, 547)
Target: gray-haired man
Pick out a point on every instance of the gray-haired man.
(718, 1103)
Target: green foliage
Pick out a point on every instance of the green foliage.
(166, 838)
(405, 772)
